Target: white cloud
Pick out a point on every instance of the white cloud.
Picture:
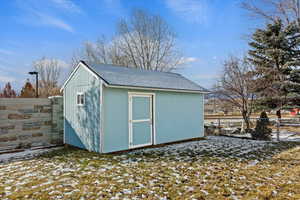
(187, 60)
(67, 5)
(48, 20)
(190, 59)
(194, 11)
(41, 13)
(6, 52)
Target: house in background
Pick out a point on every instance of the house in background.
(295, 111)
(111, 108)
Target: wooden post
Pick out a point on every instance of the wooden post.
(278, 126)
(243, 127)
(219, 125)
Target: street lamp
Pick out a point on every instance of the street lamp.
(36, 82)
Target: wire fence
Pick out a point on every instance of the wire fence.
(234, 126)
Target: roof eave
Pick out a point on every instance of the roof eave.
(154, 88)
(107, 84)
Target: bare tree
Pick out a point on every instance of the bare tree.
(101, 51)
(144, 41)
(270, 10)
(236, 87)
(49, 73)
(148, 41)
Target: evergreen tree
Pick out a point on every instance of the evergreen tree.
(8, 92)
(27, 91)
(262, 132)
(275, 54)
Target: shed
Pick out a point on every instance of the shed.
(111, 108)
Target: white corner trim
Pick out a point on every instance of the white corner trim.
(153, 116)
(101, 145)
(64, 117)
(80, 64)
(129, 118)
(203, 114)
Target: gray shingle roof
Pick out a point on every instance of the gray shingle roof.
(132, 77)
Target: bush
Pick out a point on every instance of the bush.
(262, 132)
(210, 129)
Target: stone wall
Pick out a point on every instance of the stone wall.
(30, 122)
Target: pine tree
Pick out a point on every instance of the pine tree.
(293, 88)
(8, 92)
(275, 54)
(27, 91)
(262, 132)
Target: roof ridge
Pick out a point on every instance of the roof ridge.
(129, 67)
(137, 77)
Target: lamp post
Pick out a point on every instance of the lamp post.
(36, 82)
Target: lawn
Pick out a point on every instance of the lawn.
(216, 168)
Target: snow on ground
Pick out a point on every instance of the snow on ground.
(26, 154)
(213, 145)
(284, 135)
(215, 168)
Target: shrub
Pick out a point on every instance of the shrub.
(262, 132)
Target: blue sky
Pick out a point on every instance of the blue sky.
(208, 31)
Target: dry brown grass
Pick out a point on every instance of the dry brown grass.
(75, 174)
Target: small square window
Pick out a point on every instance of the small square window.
(80, 99)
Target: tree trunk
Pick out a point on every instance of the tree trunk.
(246, 119)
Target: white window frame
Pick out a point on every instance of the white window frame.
(81, 94)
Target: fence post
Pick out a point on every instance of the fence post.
(242, 127)
(57, 119)
(219, 125)
(278, 126)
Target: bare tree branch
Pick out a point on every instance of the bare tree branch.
(271, 10)
(144, 41)
(49, 73)
(236, 86)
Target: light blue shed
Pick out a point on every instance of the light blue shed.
(110, 108)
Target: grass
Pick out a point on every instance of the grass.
(177, 172)
(291, 129)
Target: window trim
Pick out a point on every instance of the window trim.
(80, 95)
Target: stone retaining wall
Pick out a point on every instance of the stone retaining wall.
(30, 122)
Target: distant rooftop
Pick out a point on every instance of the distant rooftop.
(133, 77)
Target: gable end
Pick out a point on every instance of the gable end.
(80, 64)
